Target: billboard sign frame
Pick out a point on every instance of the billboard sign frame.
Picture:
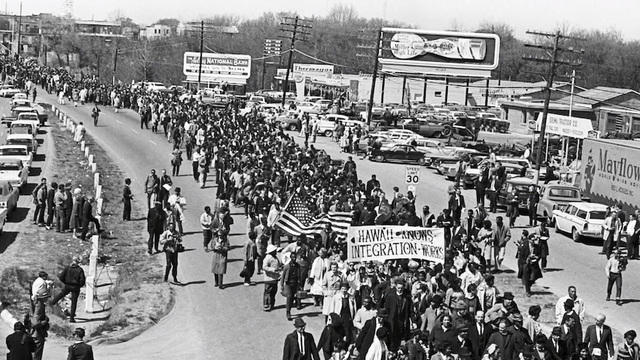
(217, 65)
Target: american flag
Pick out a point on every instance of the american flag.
(296, 219)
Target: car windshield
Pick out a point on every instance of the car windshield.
(598, 215)
(19, 141)
(524, 188)
(9, 167)
(564, 192)
(13, 151)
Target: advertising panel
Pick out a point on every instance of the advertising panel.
(380, 243)
(566, 126)
(611, 172)
(217, 65)
(316, 70)
(439, 52)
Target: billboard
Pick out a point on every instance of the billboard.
(444, 53)
(611, 172)
(217, 65)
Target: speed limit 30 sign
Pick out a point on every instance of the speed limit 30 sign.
(412, 175)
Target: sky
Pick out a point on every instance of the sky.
(521, 15)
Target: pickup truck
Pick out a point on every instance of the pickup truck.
(554, 194)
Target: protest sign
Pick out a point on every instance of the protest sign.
(380, 243)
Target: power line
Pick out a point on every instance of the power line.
(319, 60)
(296, 26)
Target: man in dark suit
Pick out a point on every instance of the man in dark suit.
(457, 234)
(86, 217)
(556, 346)
(299, 345)
(482, 185)
(20, 344)
(456, 204)
(599, 335)
(155, 226)
(368, 332)
(74, 279)
(127, 196)
(398, 305)
(79, 350)
(478, 334)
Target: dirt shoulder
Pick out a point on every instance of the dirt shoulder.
(137, 297)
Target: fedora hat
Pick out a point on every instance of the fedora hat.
(298, 323)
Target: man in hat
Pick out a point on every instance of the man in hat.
(80, 350)
(460, 315)
(520, 340)
(369, 330)
(73, 278)
(20, 344)
(300, 345)
(557, 346)
(272, 268)
(502, 309)
(629, 349)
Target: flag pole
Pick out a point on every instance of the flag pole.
(282, 209)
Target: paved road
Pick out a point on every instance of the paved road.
(569, 263)
(208, 323)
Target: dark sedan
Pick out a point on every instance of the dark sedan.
(398, 153)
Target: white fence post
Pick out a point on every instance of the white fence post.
(86, 151)
(96, 180)
(91, 278)
(98, 191)
(82, 144)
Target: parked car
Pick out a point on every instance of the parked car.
(20, 95)
(13, 171)
(23, 127)
(155, 86)
(521, 185)
(20, 102)
(23, 139)
(8, 197)
(399, 153)
(453, 155)
(31, 117)
(554, 194)
(580, 219)
(18, 152)
(290, 120)
(472, 173)
(9, 91)
(8, 119)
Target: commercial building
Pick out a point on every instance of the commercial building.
(609, 109)
(155, 32)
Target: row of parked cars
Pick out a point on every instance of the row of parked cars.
(17, 154)
(561, 204)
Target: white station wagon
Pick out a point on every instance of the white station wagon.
(580, 219)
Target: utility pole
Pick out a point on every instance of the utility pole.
(19, 30)
(374, 71)
(115, 66)
(272, 48)
(201, 46)
(552, 59)
(297, 27)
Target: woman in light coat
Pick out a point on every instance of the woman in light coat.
(330, 286)
(319, 268)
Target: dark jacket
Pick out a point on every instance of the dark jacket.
(72, 276)
(606, 340)
(80, 351)
(155, 220)
(479, 342)
(50, 194)
(399, 308)
(291, 349)
(365, 337)
(561, 353)
(86, 214)
(20, 346)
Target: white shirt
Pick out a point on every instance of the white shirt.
(39, 288)
(578, 307)
(301, 343)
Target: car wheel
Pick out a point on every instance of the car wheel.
(422, 162)
(575, 235)
(447, 131)
(328, 133)
(555, 226)
(380, 158)
(292, 127)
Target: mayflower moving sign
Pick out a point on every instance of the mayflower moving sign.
(611, 171)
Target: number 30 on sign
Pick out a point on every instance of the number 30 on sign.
(412, 175)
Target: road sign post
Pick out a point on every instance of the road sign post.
(412, 178)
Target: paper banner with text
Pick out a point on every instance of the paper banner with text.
(368, 243)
